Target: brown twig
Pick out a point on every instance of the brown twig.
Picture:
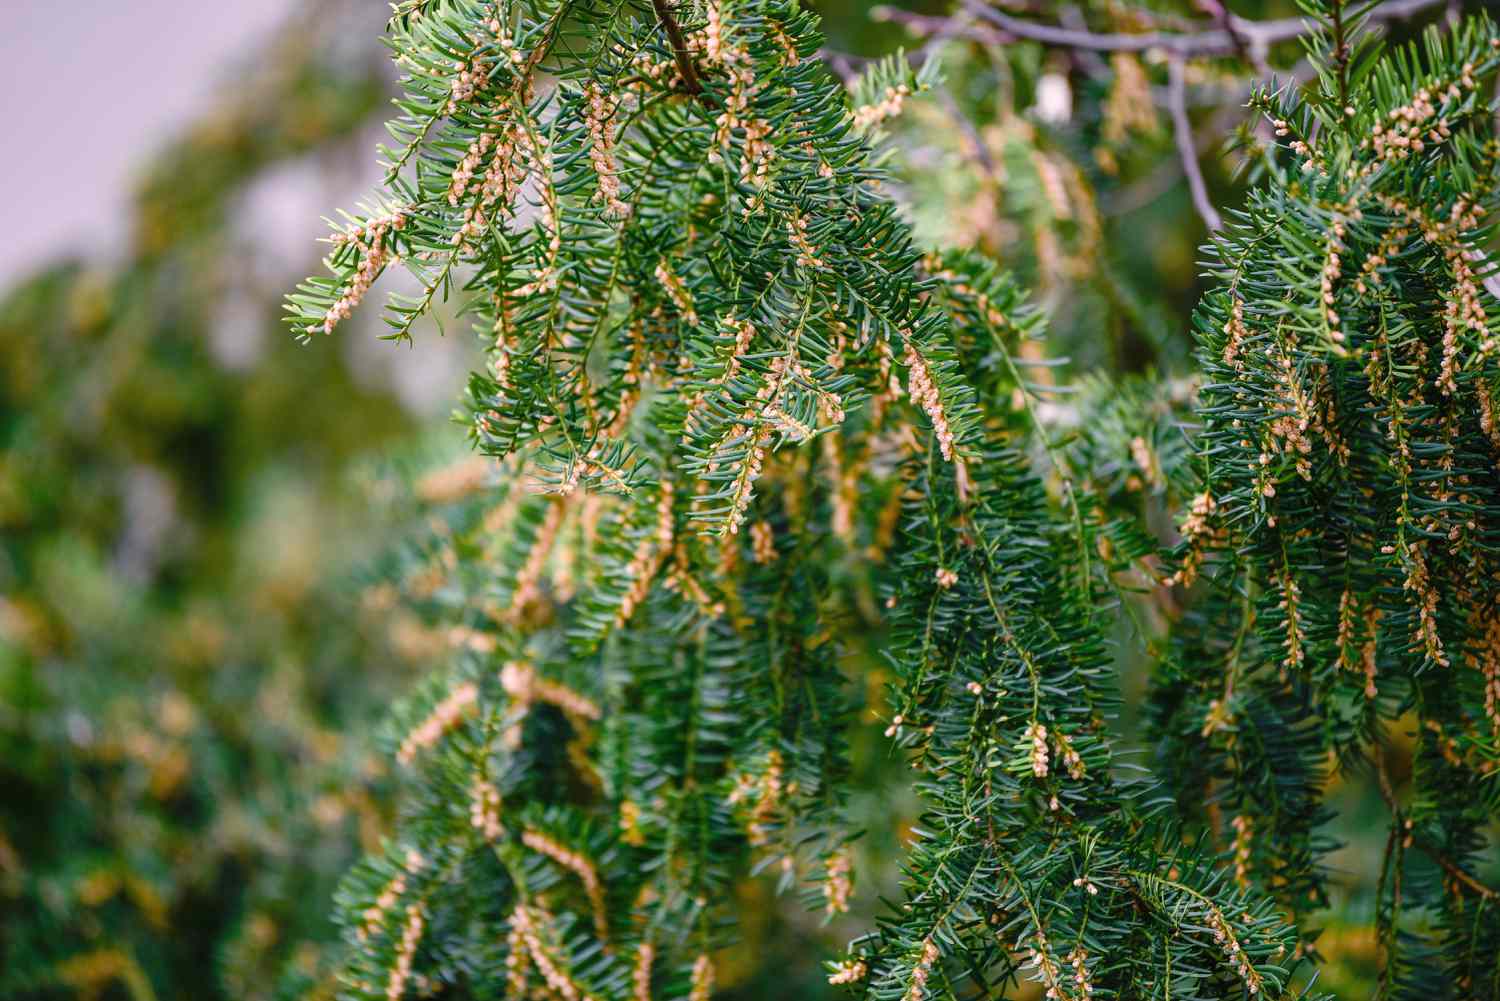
(1452, 868)
(1390, 866)
(690, 81)
(1341, 54)
(1226, 20)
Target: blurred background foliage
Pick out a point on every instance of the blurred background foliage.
(201, 618)
(183, 680)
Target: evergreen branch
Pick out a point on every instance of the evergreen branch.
(669, 718)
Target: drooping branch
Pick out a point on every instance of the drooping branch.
(999, 640)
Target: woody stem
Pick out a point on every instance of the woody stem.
(679, 47)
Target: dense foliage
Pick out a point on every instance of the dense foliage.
(679, 769)
(756, 450)
(1349, 507)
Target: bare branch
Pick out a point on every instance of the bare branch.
(1223, 41)
(980, 151)
(1187, 149)
(939, 27)
(1225, 18)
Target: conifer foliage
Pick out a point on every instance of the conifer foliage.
(739, 419)
(1350, 495)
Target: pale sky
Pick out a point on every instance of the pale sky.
(88, 91)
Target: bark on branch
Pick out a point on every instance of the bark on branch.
(680, 52)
